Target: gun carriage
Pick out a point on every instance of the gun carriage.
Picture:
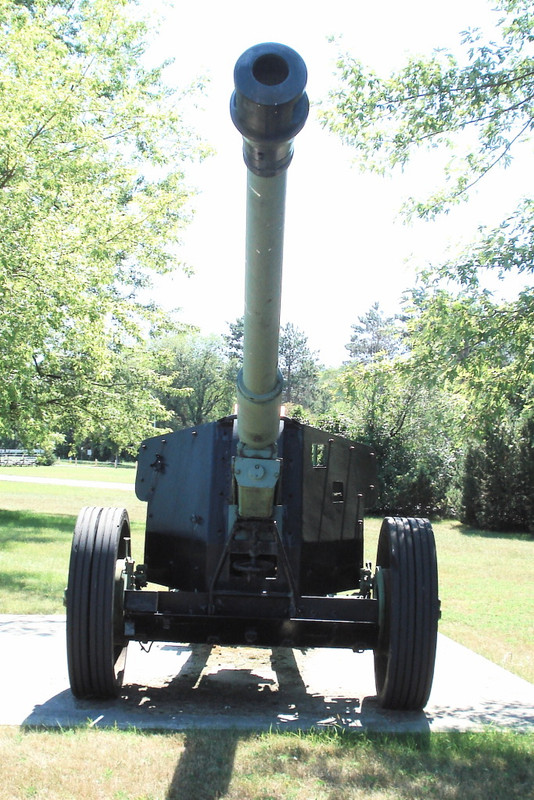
(255, 523)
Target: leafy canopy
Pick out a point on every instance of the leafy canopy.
(200, 380)
(375, 336)
(298, 364)
(92, 201)
(480, 107)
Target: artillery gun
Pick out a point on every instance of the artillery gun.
(255, 522)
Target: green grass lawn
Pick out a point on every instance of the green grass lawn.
(82, 471)
(206, 765)
(487, 592)
(486, 586)
(36, 526)
(66, 500)
(486, 579)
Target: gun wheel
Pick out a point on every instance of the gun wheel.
(406, 586)
(96, 646)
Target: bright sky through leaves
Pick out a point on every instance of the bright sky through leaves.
(345, 245)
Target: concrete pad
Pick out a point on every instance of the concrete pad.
(178, 687)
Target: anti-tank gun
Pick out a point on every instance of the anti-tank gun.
(255, 522)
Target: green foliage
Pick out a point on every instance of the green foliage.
(477, 347)
(498, 479)
(484, 104)
(201, 373)
(298, 364)
(233, 348)
(92, 201)
(46, 458)
(234, 339)
(509, 248)
(379, 398)
(482, 353)
(375, 335)
(200, 379)
(479, 107)
(410, 427)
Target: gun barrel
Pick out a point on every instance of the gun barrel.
(269, 107)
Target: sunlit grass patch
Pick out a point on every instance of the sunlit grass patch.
(486, 580)
(486, 587)
(83, 471)
(35, 545)
(487, 593)
(326, 765)
(34, 554)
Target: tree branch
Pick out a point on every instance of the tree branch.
(456, 90)
(476, 120)
(495, 162)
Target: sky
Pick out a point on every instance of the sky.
(345, 245)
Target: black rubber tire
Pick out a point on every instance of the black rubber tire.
(406, 585)
(96, 647)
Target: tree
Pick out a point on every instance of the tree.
(411, 428)
(498, 479)
(234, 339)
(482, 352)
(92, 202)
(233, 347)
(470, 344)
(375, 335)
(200, 388)
(485, 105)
(299, 366)
(297, 363)
(482, 109)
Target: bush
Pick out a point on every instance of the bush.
(46, 458)
(498, 479)
(414, 471)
